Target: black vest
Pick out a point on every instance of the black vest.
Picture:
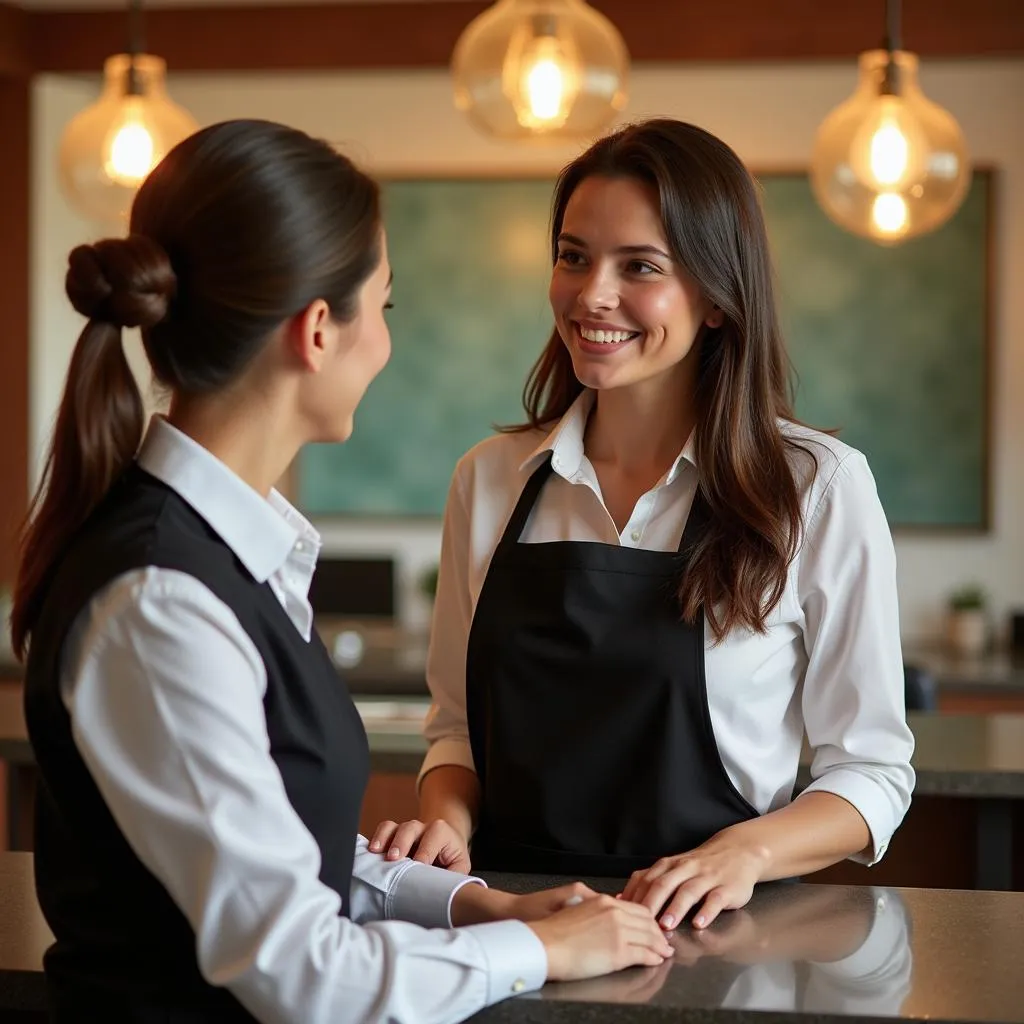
(123, 950)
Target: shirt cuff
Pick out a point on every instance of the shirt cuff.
(424, 893)
(517, 962)
(450, 750)
(863, 793)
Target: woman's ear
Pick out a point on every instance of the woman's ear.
(307, 334)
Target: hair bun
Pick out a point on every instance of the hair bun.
(127, 282)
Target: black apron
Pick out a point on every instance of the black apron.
(587, 707)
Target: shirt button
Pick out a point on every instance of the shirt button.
(298, 545)
(518, 985)
(635, 536)
(556, 462)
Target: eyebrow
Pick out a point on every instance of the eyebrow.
(651, 250)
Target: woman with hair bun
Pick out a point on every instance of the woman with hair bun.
(201, 766)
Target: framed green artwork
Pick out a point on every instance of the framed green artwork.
(889, 345)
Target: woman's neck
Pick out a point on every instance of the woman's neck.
(641, 429)
(244, 432)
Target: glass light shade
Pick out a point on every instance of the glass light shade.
(540, 68)
(109, 148)
(889, 166)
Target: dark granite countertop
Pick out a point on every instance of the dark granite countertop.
(798, 954)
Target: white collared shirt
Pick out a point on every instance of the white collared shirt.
(830, 662)
(165, 692)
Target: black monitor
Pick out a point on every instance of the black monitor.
(354, 587)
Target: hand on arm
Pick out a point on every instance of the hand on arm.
(449, 798)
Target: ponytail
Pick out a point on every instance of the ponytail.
(116, 283)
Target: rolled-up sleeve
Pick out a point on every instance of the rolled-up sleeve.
(853, 692)
(446, 728)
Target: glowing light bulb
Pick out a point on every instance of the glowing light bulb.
(889, 151)
(890, 154)
(540, 68)
(889, 214)
(108, 148)
(128, 154)
(543, 79)
(889, 164)
(545, 87)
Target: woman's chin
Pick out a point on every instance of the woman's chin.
(334, 434)
(596, 378)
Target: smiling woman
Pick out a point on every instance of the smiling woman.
(650, 590)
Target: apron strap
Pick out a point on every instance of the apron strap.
(521, 513)
(696, 522)
(696, 525)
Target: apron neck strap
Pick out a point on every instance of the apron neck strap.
(696, 524)
(521, 513)
(696, 521)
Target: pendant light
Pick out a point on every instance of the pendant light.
(534, 68)
(109, 148)
(888, 164)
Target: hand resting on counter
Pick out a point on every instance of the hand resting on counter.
(585, 934)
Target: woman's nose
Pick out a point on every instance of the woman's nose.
(599, 290)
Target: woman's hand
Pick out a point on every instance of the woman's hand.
(598, 936)
(718, 875)
(437, 843)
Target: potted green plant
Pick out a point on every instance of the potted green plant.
(428, 582)
(967, 623)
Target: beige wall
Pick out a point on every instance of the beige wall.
(405, 123)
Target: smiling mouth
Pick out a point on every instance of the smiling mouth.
(605, 337)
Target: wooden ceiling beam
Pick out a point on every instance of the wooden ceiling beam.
(16, 57)
(417, 35)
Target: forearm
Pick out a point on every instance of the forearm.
(452, 793)
(814, 831)
(475, 904)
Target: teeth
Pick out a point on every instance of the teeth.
(606, 337)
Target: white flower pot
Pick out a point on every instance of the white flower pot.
(967, 631)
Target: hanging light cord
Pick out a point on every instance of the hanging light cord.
(893, 42)
(136, 45)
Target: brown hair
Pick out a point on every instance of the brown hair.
(712, 216)
(239, 228)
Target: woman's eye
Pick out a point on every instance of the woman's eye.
(640, 267)
(570, 258)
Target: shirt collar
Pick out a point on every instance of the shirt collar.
(564, 443)
(261, 532)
